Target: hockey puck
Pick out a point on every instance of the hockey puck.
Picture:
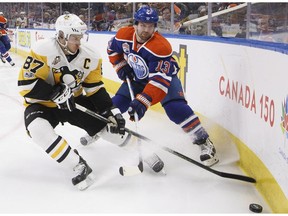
(255, 208)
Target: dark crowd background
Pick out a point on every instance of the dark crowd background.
(258, 21)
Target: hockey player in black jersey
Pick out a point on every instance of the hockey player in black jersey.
(57, 73)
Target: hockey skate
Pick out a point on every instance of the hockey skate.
(84, 177)
(3, 59)
(155, 163)
(208, 153)
(12, 63)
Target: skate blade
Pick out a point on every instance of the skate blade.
(162, 172)
(211, 161)
(130, 170)
(83, 185)
(3, 60)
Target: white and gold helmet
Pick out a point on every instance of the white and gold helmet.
(70, 24)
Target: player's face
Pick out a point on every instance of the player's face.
(144, 31)
(74, 43)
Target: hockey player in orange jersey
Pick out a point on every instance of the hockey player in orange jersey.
(4, 42)
(145, 56)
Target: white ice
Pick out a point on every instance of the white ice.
(31, 182)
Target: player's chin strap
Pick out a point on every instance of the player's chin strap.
(219, 173)
(64, 46)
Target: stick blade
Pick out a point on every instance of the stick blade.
(131, 170)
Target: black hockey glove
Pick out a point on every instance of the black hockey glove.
(124, 70)
(63, 97)
(117, 122)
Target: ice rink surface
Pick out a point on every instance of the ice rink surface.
(31, 182)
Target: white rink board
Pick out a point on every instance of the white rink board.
(216, 73)
(253, 116)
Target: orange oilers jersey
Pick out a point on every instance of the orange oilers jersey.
(3, 32)
(151, 61)
(3, 29)
(3, 20)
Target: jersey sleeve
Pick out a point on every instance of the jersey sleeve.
(115, 54)
(3, 32)
(31, 79)
(115, 49)
(157, 87)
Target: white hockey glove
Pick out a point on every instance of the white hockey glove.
(117, 122)
(63, 97)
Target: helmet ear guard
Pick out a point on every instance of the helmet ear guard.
(61, 34)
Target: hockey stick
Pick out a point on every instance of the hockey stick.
(124, 171)
(216, 172)
(219, 173)
(133, 170)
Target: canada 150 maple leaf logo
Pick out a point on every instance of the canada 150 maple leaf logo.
(284, 117)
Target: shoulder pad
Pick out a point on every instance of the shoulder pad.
(125, 33)
(159, 45)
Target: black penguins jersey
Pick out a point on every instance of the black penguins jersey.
(47, 65)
